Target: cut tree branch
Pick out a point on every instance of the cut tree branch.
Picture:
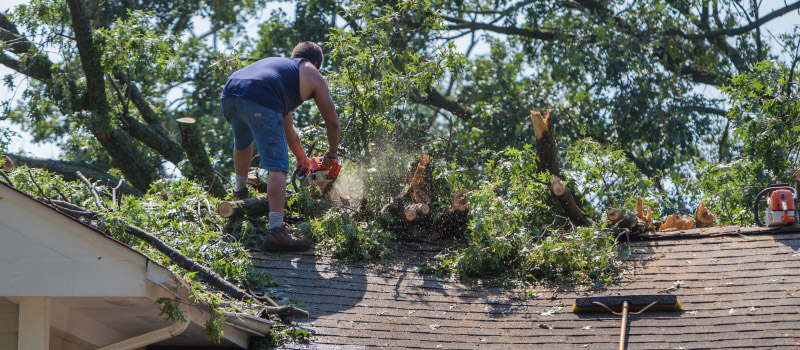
(547, 161)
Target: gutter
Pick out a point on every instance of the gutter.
(153, 336)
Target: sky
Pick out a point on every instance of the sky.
(48, 150)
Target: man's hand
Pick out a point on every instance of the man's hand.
(304, 163)
(330, 158)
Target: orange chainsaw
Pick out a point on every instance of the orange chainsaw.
(319, 175)
(781, 206)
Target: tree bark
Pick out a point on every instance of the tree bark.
(567, 201)
(202, 170)
(153, 134)
(119, 145)
(253, 206)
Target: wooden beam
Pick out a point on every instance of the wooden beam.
(34, 323)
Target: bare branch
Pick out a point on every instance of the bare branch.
(91, 190)
(737, 31)
(535, 34)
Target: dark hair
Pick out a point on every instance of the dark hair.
(310, 51)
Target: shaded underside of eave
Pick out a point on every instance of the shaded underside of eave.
(739, 288)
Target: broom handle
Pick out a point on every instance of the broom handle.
(624, 326)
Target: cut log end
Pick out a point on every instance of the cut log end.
(614, 215)
(8, 164)
(225, 209)
(412, 211)
(557, 186)
(460, 201)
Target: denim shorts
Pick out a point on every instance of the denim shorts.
(252, 121)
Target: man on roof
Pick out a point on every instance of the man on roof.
(258, 101)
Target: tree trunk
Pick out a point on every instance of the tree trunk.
(202, 170)
(547, 160)
(119, 145)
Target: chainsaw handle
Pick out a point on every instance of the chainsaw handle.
(297, 173)
(767, 191)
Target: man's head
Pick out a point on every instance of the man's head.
(310, 51)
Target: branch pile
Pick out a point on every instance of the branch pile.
(414, 206)
(642, 219)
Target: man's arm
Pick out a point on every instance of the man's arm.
(292, 139)
(322, 98)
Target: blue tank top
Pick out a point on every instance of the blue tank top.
(272, 82)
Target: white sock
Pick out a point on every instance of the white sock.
(275, 220)
(240, 183)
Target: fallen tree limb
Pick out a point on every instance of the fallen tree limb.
(253, 206)
(68, 170)
(412, 211)
(567, 201)
(186, 263)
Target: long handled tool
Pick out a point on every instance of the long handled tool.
(624, 305)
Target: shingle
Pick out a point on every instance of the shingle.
(740, 288)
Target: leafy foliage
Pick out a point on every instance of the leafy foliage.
(349, 240)
(764, 148)
(514, 235)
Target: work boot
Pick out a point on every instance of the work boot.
(278, 240)
(241, 195)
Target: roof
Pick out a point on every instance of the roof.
(94, 281)
(740, 288)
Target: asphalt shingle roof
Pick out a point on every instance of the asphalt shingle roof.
(740, 288)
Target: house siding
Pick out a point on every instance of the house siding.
(9, 324)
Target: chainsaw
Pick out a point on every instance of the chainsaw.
(319, 175)
(781, 206)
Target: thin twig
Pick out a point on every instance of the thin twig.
(91, 190)
(8, 181)
(41, 192)
(59, 193)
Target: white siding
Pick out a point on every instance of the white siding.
(9, 323)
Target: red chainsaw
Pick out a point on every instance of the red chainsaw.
(319, 175)
(781, 206)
